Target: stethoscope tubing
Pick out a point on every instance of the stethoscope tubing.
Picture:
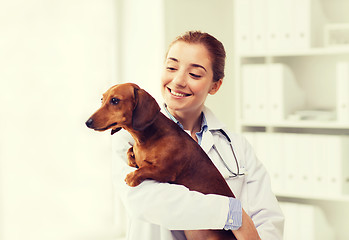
(233, 152)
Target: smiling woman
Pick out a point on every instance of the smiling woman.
(187, 76)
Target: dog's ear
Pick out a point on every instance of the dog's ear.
(145, 111)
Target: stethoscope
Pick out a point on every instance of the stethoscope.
(233, 174)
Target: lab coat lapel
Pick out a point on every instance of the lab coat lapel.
(207, 141)
(212, 123)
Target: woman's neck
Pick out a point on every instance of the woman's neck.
(191, 121)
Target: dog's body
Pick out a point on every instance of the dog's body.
(162, 150)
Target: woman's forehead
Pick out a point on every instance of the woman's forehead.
(192, 53)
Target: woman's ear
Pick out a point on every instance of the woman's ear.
(215, 86)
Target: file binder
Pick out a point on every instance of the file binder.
(342, 88)
(276, 161)
(291, 228)
(319, 165)
(285, 95)
(249, 92)
(337, 158)
(259, 25)
(313, 224)
(260, 73)
(292, 164)
(304, 164)
(243, 26)
(270, 92)
(304, 151)
(287, 21)
(273, 25)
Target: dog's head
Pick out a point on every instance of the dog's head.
(124, 105)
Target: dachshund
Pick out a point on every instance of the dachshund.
(163, 151)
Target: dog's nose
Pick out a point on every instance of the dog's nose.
(89, 123)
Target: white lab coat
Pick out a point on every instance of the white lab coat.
(159, 211)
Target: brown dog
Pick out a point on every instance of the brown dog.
(162, 150)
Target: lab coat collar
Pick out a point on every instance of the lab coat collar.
(212, 124)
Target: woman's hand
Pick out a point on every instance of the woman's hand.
(247, 231)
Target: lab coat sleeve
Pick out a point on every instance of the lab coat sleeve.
(262, 207)
(169, 205)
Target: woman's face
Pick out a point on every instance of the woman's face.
(187, 78)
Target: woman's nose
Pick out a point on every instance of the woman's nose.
(180, 79)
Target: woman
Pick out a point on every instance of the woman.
(194, 68)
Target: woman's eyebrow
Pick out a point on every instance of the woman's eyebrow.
(193, 64)
(173, 59)
(199, 66)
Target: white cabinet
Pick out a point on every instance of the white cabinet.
(292, 101)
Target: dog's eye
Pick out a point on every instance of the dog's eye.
(114, 101)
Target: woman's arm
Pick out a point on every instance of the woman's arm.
(247, 231)
(169, 205)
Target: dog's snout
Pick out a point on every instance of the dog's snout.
(89, 123)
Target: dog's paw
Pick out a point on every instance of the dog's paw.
(130, 152)
(132, 180)
(131, 158)
(131, 162)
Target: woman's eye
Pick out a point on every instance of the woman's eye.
(195, 75)
(171, 68)
(114, 101)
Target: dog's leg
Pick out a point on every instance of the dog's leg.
(135, 178)
(131, 158)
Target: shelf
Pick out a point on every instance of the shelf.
(299, 124)
(308, 144)
(294, 53)
(287, 197)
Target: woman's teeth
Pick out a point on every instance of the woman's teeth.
(177, 94)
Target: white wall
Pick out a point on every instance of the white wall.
(142, 44)
(56, 58)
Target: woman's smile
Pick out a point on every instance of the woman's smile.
(178, 94)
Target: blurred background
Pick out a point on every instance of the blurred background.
(57, 57)
(56, 60)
